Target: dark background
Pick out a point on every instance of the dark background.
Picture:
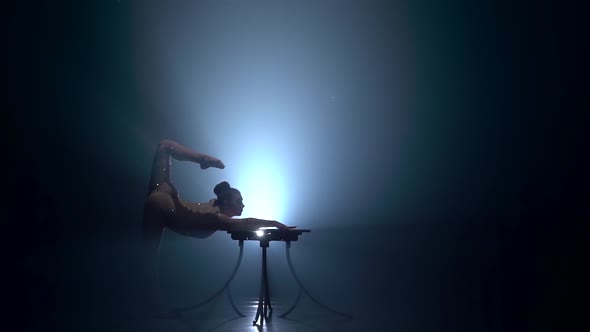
(490, 233)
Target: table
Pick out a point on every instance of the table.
(264, 310)
(265, 235)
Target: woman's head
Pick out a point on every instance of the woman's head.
(229, 199)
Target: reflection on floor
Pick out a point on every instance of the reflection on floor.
(412, 278)
(219, 316)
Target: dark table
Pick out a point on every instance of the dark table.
(265, 235)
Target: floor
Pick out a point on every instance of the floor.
(218, 316)
(417, 281)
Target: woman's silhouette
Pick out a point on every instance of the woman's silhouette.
(165, 209)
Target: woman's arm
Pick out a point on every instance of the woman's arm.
(254, 223)
(190, 217)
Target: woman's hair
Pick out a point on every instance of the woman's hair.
(224, 192)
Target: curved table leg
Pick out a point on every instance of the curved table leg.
(293, 305)
(303, 290)
(233, 305)
(178, 311)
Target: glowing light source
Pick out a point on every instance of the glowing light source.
(261, 182)
(259, 233)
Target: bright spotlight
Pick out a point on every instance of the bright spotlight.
(263, 187)
(259, 233)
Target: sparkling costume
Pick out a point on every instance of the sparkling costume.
(164, 207)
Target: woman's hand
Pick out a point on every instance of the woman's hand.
(209, 161)
(256, 223)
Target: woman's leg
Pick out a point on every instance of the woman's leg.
(158, 211)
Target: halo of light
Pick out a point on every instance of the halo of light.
(262, 186)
